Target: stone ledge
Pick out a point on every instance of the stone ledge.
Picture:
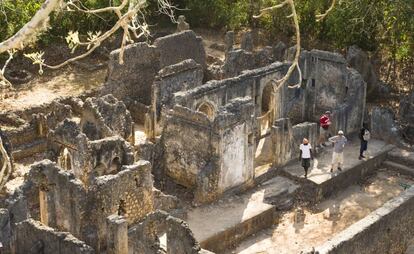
(385, 230)
(225, 223)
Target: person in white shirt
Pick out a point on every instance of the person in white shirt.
(305, 155)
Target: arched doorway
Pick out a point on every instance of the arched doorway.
(208, 109)
(65, 159)
(115, 166)
(267, 99)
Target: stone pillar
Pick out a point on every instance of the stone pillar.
(117, 235)
(229, 40)
(247, 41)
(281, 139)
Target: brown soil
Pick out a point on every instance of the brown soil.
(300, 230)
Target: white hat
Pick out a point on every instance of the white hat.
(340, 133)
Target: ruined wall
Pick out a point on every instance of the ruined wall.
(34, 237)
(182, 76)
(304, 130)
(5, 232)
(386, 230)
(145, 236)
(330, 85)
(281, 140)
(249, 84)
(188, 142)
(210, 155)
(235, 125)
(62, 197)
(134, 78)
(110, 153)
(286, 139)
(128, 193)
(104, 117)
(178, 47)
(88, 159)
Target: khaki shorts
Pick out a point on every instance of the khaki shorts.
(323, 132)
(337, 159)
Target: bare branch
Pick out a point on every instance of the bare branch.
(11, 54)
(320, 17)
(295, 63)
(269, 9)
(6, 169)
(96, 11)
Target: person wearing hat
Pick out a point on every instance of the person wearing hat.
(339, 142)
(325, 122)
(305, 155)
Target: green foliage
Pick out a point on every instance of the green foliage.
(215, 13)
(14, 14)
(373, 25)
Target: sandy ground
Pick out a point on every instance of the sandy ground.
(300, 230)
(208, 220)
(43, 89)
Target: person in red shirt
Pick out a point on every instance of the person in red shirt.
(325, 122)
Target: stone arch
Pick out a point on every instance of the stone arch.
(267, 103)
(115, 166)
(207, 108)
(99, 170)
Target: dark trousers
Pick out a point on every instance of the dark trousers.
(306, 165)
(364, 147)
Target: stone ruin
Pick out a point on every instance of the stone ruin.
(124, 165)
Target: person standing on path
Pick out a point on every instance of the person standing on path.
(325, 122)
(339, 142)
(364, 136)
(305, 155)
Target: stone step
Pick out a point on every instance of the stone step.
(27, 150)
(223, 224)
(402, 156)
(401, 168)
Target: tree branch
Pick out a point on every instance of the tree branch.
(6, 169)
(320, 17)
(29, 31)
(295, 63)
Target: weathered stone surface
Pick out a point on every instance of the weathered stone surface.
(145, 236)
(5, 232)
(237, 61)
(181, 24)
(407, 109)
(117, 228)
(88, 159)
(201, 165)
(83, 210)
(247, 41)
(263, 57)
(182, 76)
(229, 41)
(179, 47)
(385, 230)
(34, 237)
(279, 51)
(134, 78)
(360, 61)
(105, 117)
